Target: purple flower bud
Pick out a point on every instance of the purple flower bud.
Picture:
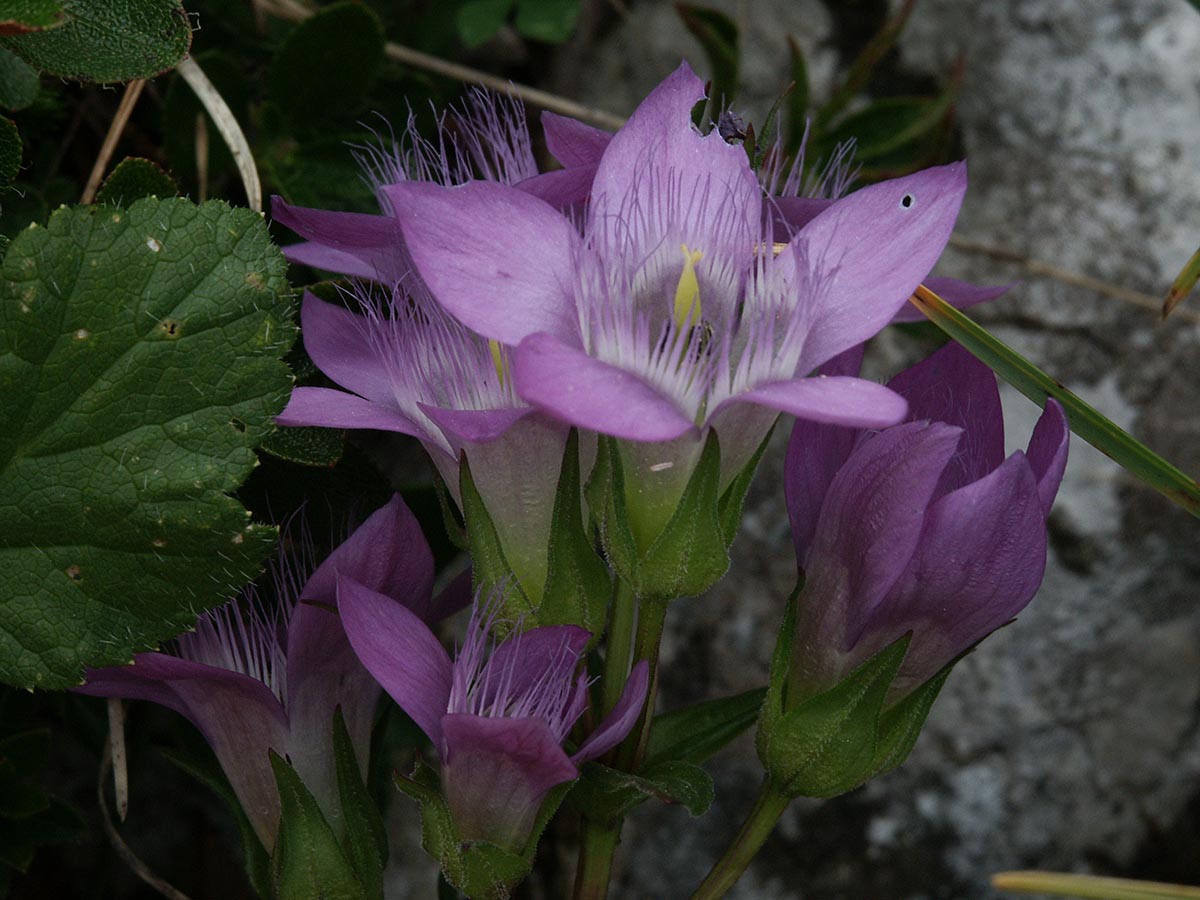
(498, 713)
(923, 528)
(255, 678)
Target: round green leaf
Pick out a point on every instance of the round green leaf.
(324, 69)
(109, 40)
(135, 178)
(10, 152)
(18, 81)
(140, 364)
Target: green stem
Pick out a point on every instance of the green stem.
(620, 645)
(651, 616)
(758, 826)
(596, 849)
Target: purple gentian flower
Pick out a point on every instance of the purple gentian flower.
(254, 678)
(669, 314)
(413, 369)
(923, 528)
(404, 363)
(497, 714)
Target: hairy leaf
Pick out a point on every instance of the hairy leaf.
(139, 366)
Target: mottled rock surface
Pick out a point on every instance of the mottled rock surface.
(1070, 740)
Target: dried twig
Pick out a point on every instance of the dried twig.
(1046, 270)
(297, 12)
(223, 117)
(129, 99)
(116, 743)
(128, 857)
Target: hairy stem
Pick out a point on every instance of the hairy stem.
(754, 832)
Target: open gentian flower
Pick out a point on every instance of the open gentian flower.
(255, 678)
(497, 714)
(415, 370)
(923, 528)
(666, 313)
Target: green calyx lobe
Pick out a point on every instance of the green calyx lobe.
(577, 583)
(140, 365)
(479, 869)
(691, 552)
(830, 743)
(313, 859)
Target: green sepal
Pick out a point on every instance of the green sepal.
(900, 725)
(491, 567)
(826, 745)
(605, 795)
(577, 581)
(690, 554)
(365, 838)
(773, 702)
(135, 178)
(797, 99)
(200, 763)
(479, 869)
(452, 519)
(696, 732)
(605, 492)
(729, 510)
(307, 861)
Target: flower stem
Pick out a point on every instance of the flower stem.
(651, 616)
(596, 849)
(758, 826)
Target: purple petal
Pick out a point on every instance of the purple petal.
(815, 453)
(497, 258)
(866, 533)
(496, 772)
(387, 553)
(456, 595)
(980, 560)
(661, 180)
(571, 142)
(474, 426)
(564, 189)
(618, 723)
(959, 294)
(239, 716)
(373, 240)
(785, 216)
(524, 658)
(836, 400)
(869, 251)
(591, 394)
(322, 256)
(327, 408)
(952, 386)
(340, 346)
(400, 651)
(1047, 451)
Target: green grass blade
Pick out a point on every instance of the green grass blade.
(1184, 283)
(1091, 887)
(1104, 435)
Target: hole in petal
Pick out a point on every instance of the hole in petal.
(906, 201)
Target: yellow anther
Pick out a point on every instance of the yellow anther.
(687, 292)
(498, 360)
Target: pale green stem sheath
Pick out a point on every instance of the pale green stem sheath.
(596, 849)
(621, 616)
(1091, 886)
(757, 828)
(651, 616)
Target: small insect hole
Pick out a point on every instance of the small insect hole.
(169, 326)
(906, 201)
(238, 424)
(74, 574)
